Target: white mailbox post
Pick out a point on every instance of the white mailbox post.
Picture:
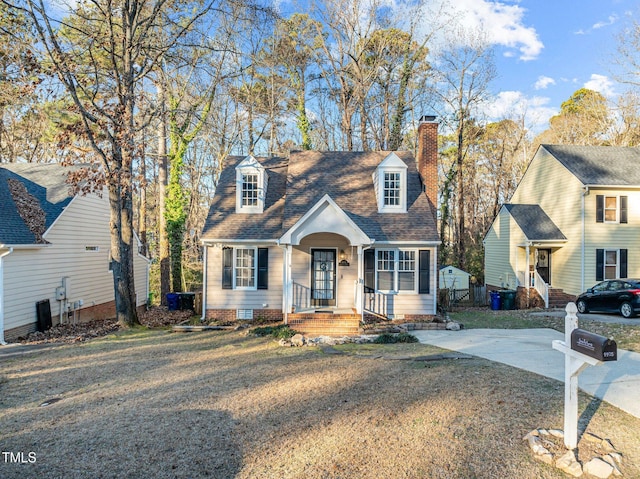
(574, 363)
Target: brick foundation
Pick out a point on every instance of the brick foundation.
(231, 314)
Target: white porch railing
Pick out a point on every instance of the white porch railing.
(301, 297)
(541, 287)
(377, 304)
(535, 281)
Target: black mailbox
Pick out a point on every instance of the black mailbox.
(594, 345)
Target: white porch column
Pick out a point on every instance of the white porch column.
(360, 281)
(289, 284)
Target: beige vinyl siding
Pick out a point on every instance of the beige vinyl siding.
(405, 303)
(31, 275)
(503, 257)
(218, 298)
(612, 236)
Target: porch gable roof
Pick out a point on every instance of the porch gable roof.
(535, 223)
(325, 216)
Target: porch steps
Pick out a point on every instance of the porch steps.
(325, 324)
(558, 299)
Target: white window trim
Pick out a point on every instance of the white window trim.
(396, 271)
(605, 264)
(254, 287)
(251, 169)
(617, 209)
(400, 208)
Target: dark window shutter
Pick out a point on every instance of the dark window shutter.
(424, 275)
(227, 268)
(263, 268)
(623, 209)
(599, 208)
(369, 270)
(623, 263)
(599, 264)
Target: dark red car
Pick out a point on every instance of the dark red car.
(613, 296)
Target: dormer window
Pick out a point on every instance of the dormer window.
(249, 190)
(251, 186)
(392, 189)
(390, 182)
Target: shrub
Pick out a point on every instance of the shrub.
(281, 331)
(388, 338)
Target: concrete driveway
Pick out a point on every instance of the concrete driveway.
(616, 382)
(603, 318)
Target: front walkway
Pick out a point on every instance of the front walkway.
(616, 382)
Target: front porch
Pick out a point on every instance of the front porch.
(536, 276)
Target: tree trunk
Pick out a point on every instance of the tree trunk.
(122, 251)
(163, 254)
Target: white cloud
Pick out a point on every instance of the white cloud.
(610, 21)
(543, 82)
(602, 84)
(503, 24)
(514, 104)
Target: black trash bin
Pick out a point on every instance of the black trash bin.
(187, 301)
(43, 313)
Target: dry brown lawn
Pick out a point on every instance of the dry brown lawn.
(150, 404)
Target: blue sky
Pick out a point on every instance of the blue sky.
(546, 50)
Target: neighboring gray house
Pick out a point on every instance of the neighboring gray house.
(54, 246)
(324, 236)
(573, 220)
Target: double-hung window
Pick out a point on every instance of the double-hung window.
(392, 188)
(396, 270)
(611, 263)
(611, 209)
(250, 190)
(245, 268)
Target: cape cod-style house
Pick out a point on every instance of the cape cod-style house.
(322, 239)
(573, 220)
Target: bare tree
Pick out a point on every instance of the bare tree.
(101, 54)
(462, 75)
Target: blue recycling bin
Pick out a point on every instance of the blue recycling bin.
(496, 300)
(173, 301)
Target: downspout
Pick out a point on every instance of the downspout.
(6, 253)
(204, 281)
(584, 237)
(435, 281)
(527, 273)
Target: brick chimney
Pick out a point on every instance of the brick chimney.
(427, 158)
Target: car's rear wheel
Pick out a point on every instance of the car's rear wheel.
(626, 310)
(582, 307)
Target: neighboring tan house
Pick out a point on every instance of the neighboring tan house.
(573, 220)
(329, 236)
(54, 246)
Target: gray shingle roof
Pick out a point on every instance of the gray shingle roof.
(535, 223)
(47, 182)
(297, 184)
(600, 165)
